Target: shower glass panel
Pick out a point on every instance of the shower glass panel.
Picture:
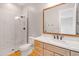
(21, 31)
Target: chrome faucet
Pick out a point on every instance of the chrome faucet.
(59, 37)
(56, 37)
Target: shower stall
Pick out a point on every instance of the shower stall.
(22, 35)
(13, 28)
(16, 21)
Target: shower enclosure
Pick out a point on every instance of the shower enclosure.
(13, 28)
(21, 31)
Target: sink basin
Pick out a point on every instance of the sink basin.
(66, 42)
(70, 42)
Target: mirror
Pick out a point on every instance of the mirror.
(62, 18)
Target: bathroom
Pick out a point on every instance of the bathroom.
(27, 29)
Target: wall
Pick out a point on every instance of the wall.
(11, 30)
(21, 35)
(7, 26)
(35, 12)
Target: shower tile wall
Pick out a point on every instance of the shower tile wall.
(12, 34)
(21, 35)
(34, 10)
(8, 12)
(35, 16)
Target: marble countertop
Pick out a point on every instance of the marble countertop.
(68, 44)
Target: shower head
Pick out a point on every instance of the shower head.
(19, 17)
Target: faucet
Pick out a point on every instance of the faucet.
(56, 37)
(59, 37)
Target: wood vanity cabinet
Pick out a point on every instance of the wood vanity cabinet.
(56, 50)
(73, 53)
(38, 47)
(46, 49)
(48, 53)
(57, 54)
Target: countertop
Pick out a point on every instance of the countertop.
(67, 44)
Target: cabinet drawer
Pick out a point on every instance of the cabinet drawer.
(38, 44)
(56, 49)
(57, 54)
(74, 53)
(48, 53)
(39, 51)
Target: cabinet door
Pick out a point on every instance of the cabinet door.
(74, 53)
(57, 54)
(39, 51)
(48, 53)
(56, 49)
(38, 44)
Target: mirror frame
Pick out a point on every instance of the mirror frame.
(76, 35)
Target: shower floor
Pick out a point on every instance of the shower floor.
(7, 51)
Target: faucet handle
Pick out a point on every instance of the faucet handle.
(54, 37)
(57, 36)
(60, 37)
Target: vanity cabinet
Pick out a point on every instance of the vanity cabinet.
(73, 53)
(47, 49)
(57, 54)
(38, 47)
(38, 44)
(56, 49)
(48, 53)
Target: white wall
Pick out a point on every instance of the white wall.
(7, 26)
(11, 33)
(35, 12)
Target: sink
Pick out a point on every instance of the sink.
(64, 42)
(68, 42)
(71, 41)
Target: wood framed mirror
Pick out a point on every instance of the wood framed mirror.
(61, 19)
